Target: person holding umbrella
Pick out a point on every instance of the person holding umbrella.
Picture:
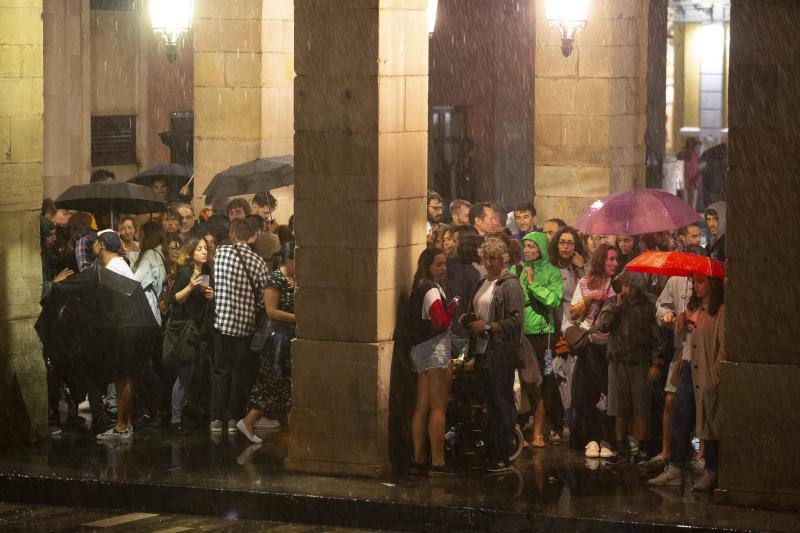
(107, 247)
(697, 396)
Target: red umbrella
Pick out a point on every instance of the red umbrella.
(636, 212)
(677, 264)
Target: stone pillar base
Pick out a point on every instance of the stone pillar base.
(339, 423)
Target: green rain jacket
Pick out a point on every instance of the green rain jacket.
(545, 294)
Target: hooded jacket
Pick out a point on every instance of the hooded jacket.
(633, 331)
(716, 245)
(546, 292)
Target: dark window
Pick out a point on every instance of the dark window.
(113, 5)
(113, 140)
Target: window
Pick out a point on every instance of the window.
(114, 140)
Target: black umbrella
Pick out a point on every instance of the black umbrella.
(259, 175)
(116, 197)
(175, 175)
(98, 319)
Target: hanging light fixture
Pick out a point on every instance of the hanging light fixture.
(433, 8)
(567, 16)
(171, 20)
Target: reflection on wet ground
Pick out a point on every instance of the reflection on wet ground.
(554, 485)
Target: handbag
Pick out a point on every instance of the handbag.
(180, 343)
(576, 337)
(261, 335)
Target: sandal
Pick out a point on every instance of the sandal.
(538, 442)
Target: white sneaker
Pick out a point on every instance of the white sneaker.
(215, 426)
(593, 450)
(671, 475)
(255, 439)
(113, 434)
(231, 425)
(266, 423)
(84, 406)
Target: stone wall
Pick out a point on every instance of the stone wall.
(590, 108)
(759, 403)
(244, 54)
(23, 389)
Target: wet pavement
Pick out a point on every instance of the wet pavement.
(21, 517)
(553, 488)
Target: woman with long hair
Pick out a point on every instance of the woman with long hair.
(150, 267)
(696, 404)
(431, 316)
(272, 391)
(191, 299)
(590, 386)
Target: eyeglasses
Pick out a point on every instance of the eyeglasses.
(566, 243)
(596, 238)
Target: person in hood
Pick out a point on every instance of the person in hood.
(543, 288)
(634, 348)
(495, 321)
(716, 217)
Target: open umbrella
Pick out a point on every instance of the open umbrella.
(100, 319)
(175, 175)
(677, 264)
(259, 175)
(636, 212)
(116, 197)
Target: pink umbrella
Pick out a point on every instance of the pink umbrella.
(636, 212)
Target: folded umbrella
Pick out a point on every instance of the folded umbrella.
(636, 212)
(259, 175)
(116, 197)
(677, 264)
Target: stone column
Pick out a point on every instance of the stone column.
(360, 182)
(227, 86)
(590, 108)
(23, 391)
(67, 95)
(759, 403)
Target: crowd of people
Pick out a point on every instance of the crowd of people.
(215, 282)
(627, 362)
(561, 335)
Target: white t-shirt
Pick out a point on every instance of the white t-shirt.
(482, 304)
(119, 266)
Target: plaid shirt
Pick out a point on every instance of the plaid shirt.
(235, 302)
(83, 253)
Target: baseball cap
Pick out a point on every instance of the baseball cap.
(110, 240)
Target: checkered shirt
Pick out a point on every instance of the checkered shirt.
(235, 302)
(83, 253)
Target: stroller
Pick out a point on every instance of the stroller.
(466, 420)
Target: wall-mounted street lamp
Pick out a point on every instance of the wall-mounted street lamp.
(567, 16)
(171, 20)
(433, 8)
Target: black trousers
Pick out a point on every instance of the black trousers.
(233, 374)
(548, 391)
(501, 413)
(589, 382)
